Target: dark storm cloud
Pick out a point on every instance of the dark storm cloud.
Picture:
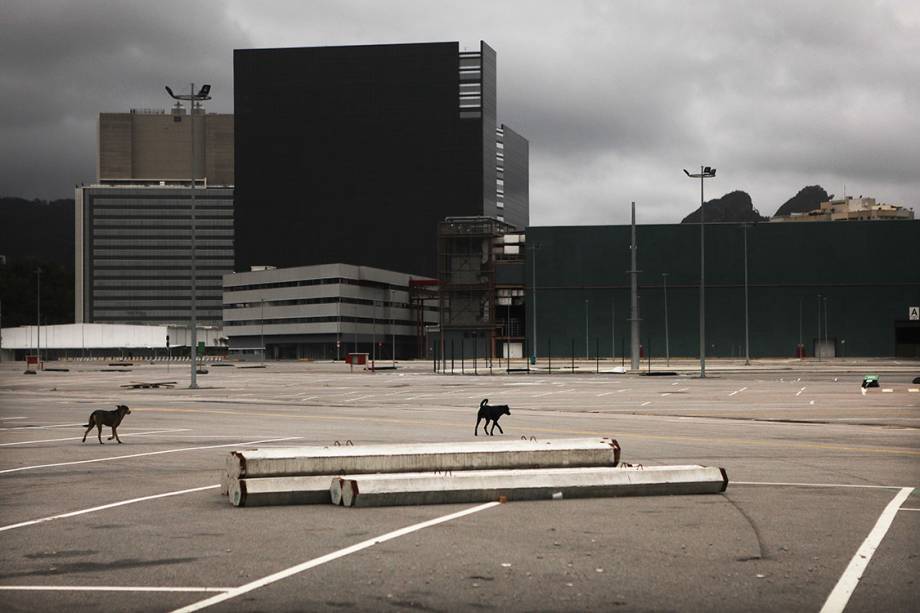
(61, 63)
(615, 97)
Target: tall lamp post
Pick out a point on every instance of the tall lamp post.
(38, 316)
(192, 98)
(706, 172)
(747, 334)
(533, 269)
(667, 336)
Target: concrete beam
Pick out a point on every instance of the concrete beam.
(538, 484)
(478, 455)
(279, 491)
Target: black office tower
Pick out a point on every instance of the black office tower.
(355, 154)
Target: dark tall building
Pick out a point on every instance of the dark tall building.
(355, 154)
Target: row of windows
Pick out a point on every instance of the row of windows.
(324, 281)
(324, 300)
(141, 268)
(319, 320)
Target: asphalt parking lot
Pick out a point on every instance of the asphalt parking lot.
(821, 492)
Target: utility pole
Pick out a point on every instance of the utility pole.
(747, 335)
(587, 351)
(667, 341)
(38, 316)
(533, 269)
(634, 297)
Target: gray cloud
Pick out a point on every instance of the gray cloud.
(615, 97)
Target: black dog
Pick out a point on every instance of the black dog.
(106, 418)
(490, 413)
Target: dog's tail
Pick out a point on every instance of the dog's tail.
(484, 402)
(92, 422)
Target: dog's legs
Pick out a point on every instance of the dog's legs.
(88, 428)
(99, 432)
(476, 429)
(115, 435)
(495, 425)
(486, 427)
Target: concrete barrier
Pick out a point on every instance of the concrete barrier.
(538, 484)
(279, 491)
(478, 455)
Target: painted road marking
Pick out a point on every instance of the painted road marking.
(799, 393)
(77, 438)
(913, 389)
(741, 390)
(887, 390)
(138, 455)
(288, 572)
(646, 403)
(42, 427)
(10, 418)
(906, 509)
(666, 393)
(109, 588)
(780, 483)
(604, 394)
(837, 600)
(623, 390)
(42, 520)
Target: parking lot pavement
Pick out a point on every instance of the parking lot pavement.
(814, 465)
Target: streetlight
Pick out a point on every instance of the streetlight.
(706, 172)
(667, 342)
(262, 327)
(38, 316)
(193, 98)
(587, 351)
(533, 268)
(747, 335)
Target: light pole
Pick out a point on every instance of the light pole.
(634, 296)
(38, 316)
(613, 321)
(747, 335)
(706, 172)
(533, 269)
(825, 322)
(667, 341)
(587, 351)
(192, 98)
(262, 327)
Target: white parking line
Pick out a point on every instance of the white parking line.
(837, 600)
(646, 403)
(906, 509)
(798, 393)
(741, 390)
(254, 585)
(108, 588)
(623, 390)
(138, 455)
(76, 438)
(42, 520)
(544, 394)
(604, 394)
(10, 418)
(41, 427)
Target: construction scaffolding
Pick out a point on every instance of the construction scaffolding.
(472, 253)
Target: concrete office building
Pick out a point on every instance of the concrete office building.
(324, 312)
(133, 253)
(355, 154)
(154, 145)
(134, 226)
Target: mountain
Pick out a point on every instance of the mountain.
(808, 199)
(734, 206)
(36, 234)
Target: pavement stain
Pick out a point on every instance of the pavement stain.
(95, 567)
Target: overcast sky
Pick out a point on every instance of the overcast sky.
(615, 97)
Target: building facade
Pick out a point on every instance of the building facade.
(133, 247)
(846, 287)
(154, 145)
(324, 312)
(355, 154)
(850, 209)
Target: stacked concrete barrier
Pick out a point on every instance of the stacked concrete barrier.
(273, 475)
(441, 473)
(535, 484)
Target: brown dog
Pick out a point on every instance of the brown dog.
(106, 418)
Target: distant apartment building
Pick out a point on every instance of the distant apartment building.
(154, 145)
(355, 154)
(850, 209)
(133, 234)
